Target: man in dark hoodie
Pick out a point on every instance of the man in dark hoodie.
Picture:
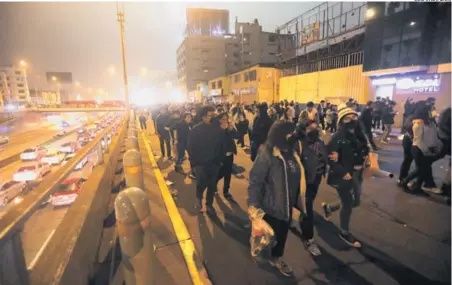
(444, 126)
(366, 122)
(206, 151)
(261, 125)
(162, 124)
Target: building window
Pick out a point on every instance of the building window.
(237, 76)
(271, 38)
(21, 91)
(220, 84)
(213, 85)
(252, 75)
(20, 85)
(17, 72)
(22, 97)
(246, 77)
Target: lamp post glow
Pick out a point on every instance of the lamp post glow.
(370, 13)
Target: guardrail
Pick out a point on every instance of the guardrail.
(69, 255)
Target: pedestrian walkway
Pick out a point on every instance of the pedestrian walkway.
(170, 268)
(406, 239)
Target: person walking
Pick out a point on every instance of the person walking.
(261, 126)
(310, 113)
(388, 120)
(230, 149)
(346, 173)
(162, 124)
(276, 185)
(181, 133)
(142, 118)
(206, 152)
(314, 158)
(366, 122)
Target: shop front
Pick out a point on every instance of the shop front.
(418, 85)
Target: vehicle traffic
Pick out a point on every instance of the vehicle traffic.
(53, 157)
(33, 153)
(69, 147)
(32, 172)
(4, 140)
(10, 190)
(80, 165)
(68, 192)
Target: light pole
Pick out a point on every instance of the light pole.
(120, 14)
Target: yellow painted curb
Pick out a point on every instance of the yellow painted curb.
(183, 237)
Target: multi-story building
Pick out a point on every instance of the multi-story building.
(207, 22)
(206, 54)
(200, 58)
(407, 51)
(14, 86)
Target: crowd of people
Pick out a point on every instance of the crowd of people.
(290, 158)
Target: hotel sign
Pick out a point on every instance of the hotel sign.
(417, 84)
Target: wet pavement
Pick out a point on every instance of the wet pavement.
(406, 238)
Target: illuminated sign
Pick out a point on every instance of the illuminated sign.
(417, 84)
(216, 92)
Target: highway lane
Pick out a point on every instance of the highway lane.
(35, 130)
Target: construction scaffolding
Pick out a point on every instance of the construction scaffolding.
(329, 30)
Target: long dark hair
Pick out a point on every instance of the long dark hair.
(421, 112)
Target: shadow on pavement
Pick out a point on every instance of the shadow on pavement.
(402, 274)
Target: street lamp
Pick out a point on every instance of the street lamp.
(370, 13)
(23, 63)
(143, 71)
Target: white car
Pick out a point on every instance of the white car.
(81, 130)
(80, 165)
(4, 140)
(53, 158)
(69, 147)
(33, 153)
(10, 190)
(32, 172)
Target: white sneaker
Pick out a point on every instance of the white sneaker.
(312, 247)
(433, 190)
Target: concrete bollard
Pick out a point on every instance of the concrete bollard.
(133, 169)
(132, 132)
(132, 143)
(100, 153)
(133, 223)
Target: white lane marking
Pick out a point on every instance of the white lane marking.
(41, 250)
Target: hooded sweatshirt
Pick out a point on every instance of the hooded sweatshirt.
(261, 125)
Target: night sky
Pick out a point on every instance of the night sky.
(83, 38)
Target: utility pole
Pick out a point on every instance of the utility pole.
(120, 14)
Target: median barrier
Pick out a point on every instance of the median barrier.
(133, 223)
(70, 254)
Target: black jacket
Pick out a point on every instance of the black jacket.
(268, 189)
(388, 115)
(206, 144)
(183, 131)
(261, 126)
(229, 141)
(163, 121)
(366, 119)
(342, 143)
(310, 160)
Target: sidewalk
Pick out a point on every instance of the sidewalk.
(170, 268)
(406, 239)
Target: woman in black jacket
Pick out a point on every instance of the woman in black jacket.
(277, 184)
(346, 173)
(259, 132)
(230, 150)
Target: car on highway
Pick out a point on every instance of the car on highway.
(53, 157)
(33, 153)
(81, 130)
(4, 140)
(61, 133)
(10, 190)
(67, 192)
(69, 147)
(79, 165)
(83, 139)
(32, 172)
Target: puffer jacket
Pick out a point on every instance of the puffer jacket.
(268, 190)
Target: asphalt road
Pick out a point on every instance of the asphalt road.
(42, 224)
(31, 130)
(406, 238)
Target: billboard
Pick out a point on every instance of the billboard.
(61, 77)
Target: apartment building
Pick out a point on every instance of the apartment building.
(13, 86)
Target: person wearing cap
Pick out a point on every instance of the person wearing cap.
(346, 173)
